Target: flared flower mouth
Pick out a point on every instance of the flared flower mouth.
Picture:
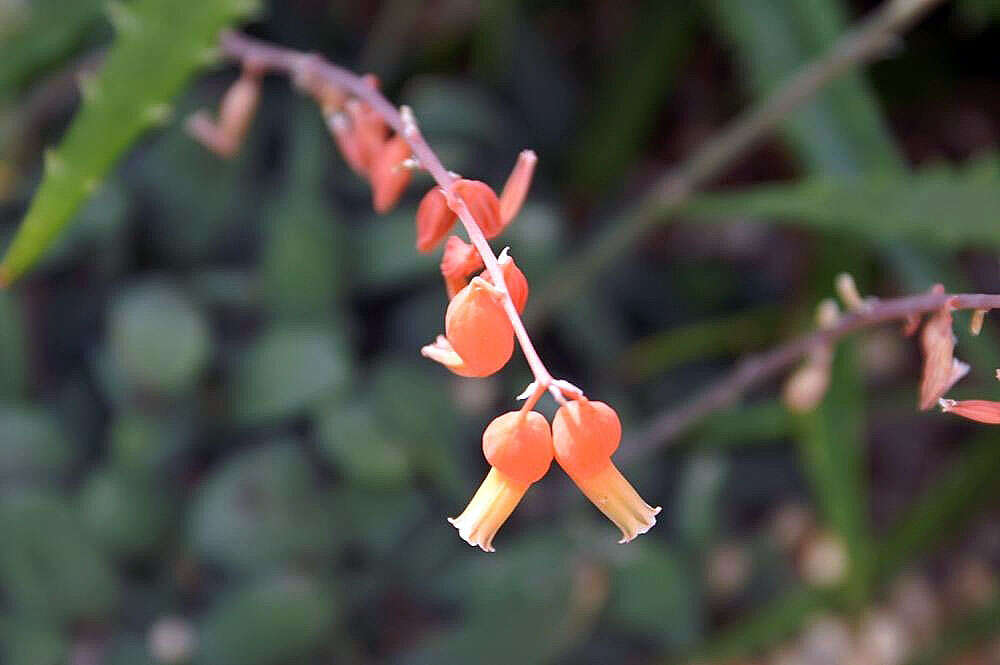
(617, 499)
(490, 507)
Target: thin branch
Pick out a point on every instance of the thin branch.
(297, 65)
(876, 36)
(754, 370)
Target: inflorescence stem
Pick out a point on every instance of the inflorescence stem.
(297, 65)
(756, 369)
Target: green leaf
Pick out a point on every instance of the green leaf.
(764, 421)
(13, 348)
(48, 566)
(280, 620)
(946, 505)
(159, 44)
(285, 371)
(33, 446)
(384, 254)
(412, 403)
(128, 514)
(699, 497)
(728, 335)
(303, 262)
(640, 74)
(978, 626)
(516, 608)
(944, 205)
(32, 642)
(49, 32)
(140, 444)
(767, 626)
(832, 446)
(260, 508)
(656, 594)
(841, 130)
(351, 438)
(158, 339)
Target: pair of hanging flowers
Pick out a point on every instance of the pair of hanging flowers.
(479, 335)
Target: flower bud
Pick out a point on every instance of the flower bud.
(518, 445)
(369, 128)
(584, 435)
(459, 261)
(388, 177)
(517, 283)
(482, 203)
(434, 219)
(515, 190)
(806, 387)
(347, 141)
(937, 341)
(479, 330)
(235, 113)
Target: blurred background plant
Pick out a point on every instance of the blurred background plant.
(218, 443)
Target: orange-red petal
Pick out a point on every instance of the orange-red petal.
(980, 410)
(434, 219)
(517, 283)
(389, 177)
(479, 330)
(482, 203)
(515, 190)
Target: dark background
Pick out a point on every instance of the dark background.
(219, 443)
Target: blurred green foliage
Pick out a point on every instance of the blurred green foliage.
(212, 405)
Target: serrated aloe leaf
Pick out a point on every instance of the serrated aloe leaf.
(158, 45)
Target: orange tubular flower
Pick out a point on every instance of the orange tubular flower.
(389, 177)
(483, 203)
(517, 283)
(584, 435)
(518, 445)
(980, 410)
(434, 220)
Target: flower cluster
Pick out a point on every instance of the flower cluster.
(804, 389)
(520, 447)
(482, 314)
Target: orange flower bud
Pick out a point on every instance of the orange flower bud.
(515, 190)
(584, 435)
(235, 113)
(460, 260)
(518, 445)
(980, 410)
(937, 341)
(478, 329)
(517, 283)
(434, 219)
(370, 129)
(482, 203)
(389, 179)
(347, 141)
(805, 387)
